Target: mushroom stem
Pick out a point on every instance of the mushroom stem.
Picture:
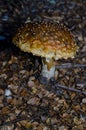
(48, 68)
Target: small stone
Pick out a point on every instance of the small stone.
(7, 92)
(31, 83)
(84, 100)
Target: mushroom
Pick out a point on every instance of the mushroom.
(51, 41)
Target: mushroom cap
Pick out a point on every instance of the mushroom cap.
(46, 39)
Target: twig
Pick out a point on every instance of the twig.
(14, 121)
(70, 89)
(70, 65)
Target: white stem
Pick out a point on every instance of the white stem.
(48, 68)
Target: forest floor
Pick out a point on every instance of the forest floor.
(25, 103)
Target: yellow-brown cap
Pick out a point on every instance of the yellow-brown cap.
(46, 39)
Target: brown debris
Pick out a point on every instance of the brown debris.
(24, 102)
